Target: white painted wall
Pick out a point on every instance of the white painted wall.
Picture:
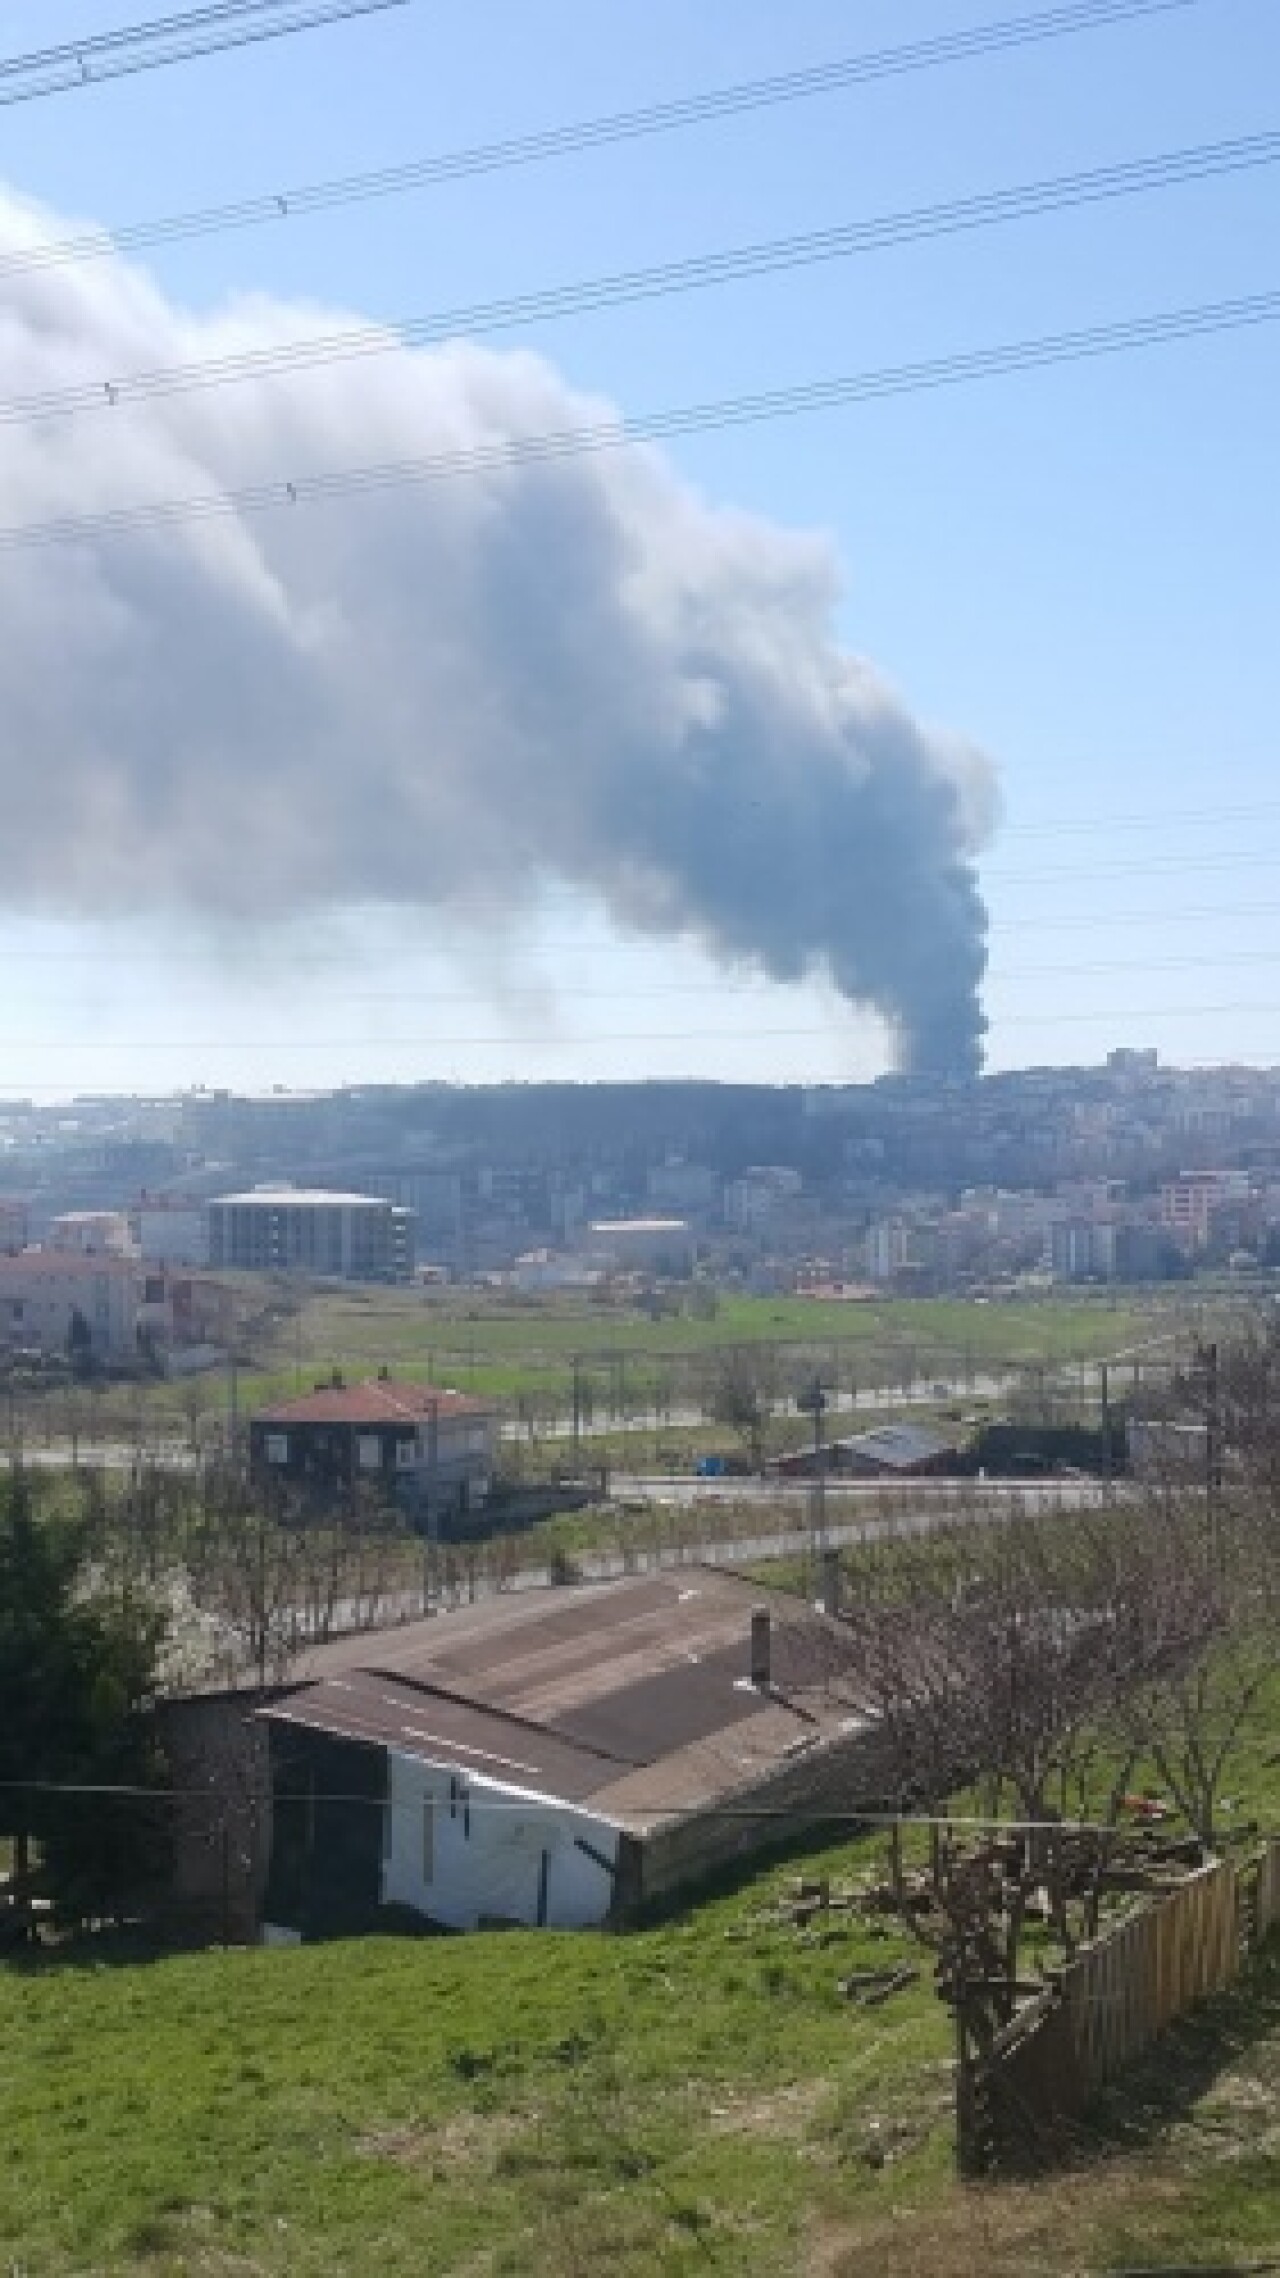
(457, 1846)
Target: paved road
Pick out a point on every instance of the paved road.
(678, 1488)
(688, 1416)
(917, 1515)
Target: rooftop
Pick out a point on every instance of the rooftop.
(82, 1264)
(903, 1444)
(634, 1694)
(379, 1402)
(298, 1198)
(638, 1226)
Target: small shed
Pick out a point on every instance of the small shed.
(887, 1451)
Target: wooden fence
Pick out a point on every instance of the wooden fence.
(1268, 1894)
(1109, 2004)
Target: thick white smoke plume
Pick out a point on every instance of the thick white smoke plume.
(447, 695)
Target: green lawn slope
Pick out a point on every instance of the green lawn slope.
(690, 2098)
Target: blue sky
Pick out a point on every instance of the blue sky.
(1075, 570)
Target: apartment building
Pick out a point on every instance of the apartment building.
(1187, 1204)
(44, 1292)
(288, 1229)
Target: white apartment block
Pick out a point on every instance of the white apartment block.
(890, 1248)
(42, 1292)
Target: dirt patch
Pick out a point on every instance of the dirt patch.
(782, 2115)
(1046, 2230)
(465, 2139)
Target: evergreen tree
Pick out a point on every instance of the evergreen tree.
(77, 1674)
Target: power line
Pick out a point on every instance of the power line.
(745, 97)
(584, 1038)
(1101, 825)
(599, 952)
(132, 1790)
(1195, 914)
(1167, 170)
(169, 39)
(798, 401)
(749, 989)
(1236, 858)
(595, 953)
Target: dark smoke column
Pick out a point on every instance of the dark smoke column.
(849, 854)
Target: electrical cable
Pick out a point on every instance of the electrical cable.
(750, 989)
(169, 39)
(1169, 169)
(797, 1813)
(800, 400)
(1008, 33)
(609, 950)
(585, 1038)
(1235, 858)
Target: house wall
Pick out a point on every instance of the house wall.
(462, 1850)
(433, 1467)
(216, 1755)
(328, 1810)
(842, 1777)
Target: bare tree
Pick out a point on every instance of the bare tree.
(741, 1394)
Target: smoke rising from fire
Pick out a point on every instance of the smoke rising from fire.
(449, 697)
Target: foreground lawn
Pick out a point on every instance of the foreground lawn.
(695, 2097)
(499, 2104)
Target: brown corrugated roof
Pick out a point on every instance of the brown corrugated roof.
(633, 1693)
(378, 1402)
(437, 1729)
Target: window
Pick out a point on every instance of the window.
(277, 1447)
(429, 1840)
(406, 1453)
(369, 1451)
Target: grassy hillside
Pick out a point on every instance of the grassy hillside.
(692, 2098)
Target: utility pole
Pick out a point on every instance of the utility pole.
(813, 1401)
(233, 1404)
(1213, 1454)
(1105, 1399)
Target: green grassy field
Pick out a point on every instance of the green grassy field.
(693, 2097)
(292, 1335)
(512, 1349)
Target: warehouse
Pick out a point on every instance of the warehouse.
(556, 1759)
